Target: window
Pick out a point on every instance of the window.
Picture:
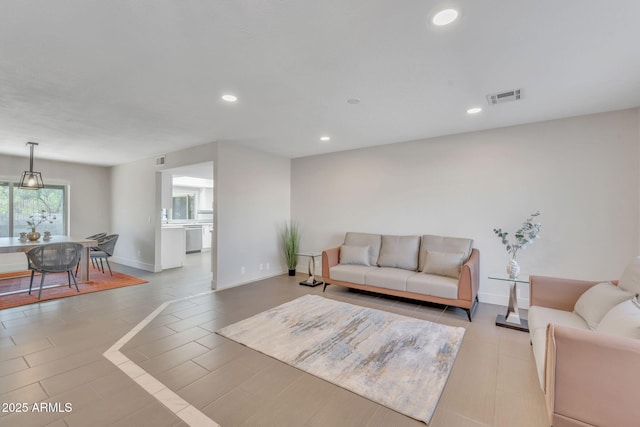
(4, 209)
(17, 205)
(184, 206)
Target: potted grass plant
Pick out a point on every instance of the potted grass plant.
(290, 241)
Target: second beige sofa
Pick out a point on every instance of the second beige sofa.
(585, 337)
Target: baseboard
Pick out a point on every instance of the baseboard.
(256, 279)
(500, 299)
(133, 263)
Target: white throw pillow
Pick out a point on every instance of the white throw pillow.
(598, 300)
(444, 263)
(630, 280)
(358, 255)
(622, 320)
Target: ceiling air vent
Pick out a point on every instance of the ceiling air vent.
(160, 160)
(505, 96)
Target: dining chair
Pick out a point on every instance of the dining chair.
(106, 247)
(54, 258)
(98, 237)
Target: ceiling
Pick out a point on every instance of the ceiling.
(109, 82)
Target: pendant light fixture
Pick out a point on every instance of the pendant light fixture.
(31, 180)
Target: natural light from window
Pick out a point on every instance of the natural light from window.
(17, 205)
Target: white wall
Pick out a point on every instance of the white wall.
(89, 193)
(136, 205)
(252, 199)
(581, 173)
(134, 214)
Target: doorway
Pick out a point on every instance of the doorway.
(187, 215)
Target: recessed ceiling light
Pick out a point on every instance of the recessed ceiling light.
(474, 110)
(229, 98)
(325, 138)
(445, 17)
(353, 101)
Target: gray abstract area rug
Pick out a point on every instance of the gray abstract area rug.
(397, 361)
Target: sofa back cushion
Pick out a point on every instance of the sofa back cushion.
(365, 239)
(444, 244)
(630, 280)
(399, 252)
(596, 301)
(622, 320)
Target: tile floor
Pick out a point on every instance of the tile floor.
(52, 352)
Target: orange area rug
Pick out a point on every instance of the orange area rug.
(14, 287)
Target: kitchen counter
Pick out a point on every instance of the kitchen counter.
(203, 244)
(184, 224)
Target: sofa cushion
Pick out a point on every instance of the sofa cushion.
(399, 252)
(539, 318)
(596, 301)
(365, 239)
(389, 278)
(443, 244)
(444, 263)
(357, 255)
(622, 320)
(630, 280)
(350, 273)
(434, 285)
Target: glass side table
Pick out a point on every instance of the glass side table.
(311, 281)
(511, 319)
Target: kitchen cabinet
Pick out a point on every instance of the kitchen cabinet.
(207, 232)
(173, 247)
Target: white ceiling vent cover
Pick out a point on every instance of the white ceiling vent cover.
(504, 96)
(160, 160)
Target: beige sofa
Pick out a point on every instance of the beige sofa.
(443, 270)
(586, 345)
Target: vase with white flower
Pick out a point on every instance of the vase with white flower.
(35, 220)
(524, 236)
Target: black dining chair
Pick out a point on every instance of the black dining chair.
(106, 247)
(54, 258)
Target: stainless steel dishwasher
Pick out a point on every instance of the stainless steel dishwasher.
(194, 238)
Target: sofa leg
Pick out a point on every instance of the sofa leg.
(325, 287)
(473, 308)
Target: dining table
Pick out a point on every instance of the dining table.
(14, 244)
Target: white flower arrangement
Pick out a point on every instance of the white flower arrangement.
(524, 236)
(35, 220)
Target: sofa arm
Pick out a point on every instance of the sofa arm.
(330, 257)
(469, 281)
(592, 377)
(553, 292)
